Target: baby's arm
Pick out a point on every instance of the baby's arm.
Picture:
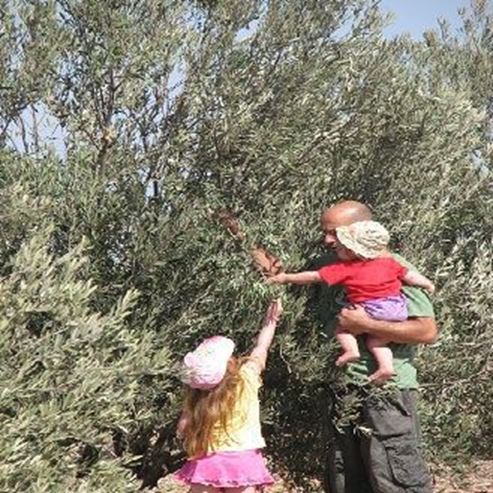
(306, 277)
(414, 278)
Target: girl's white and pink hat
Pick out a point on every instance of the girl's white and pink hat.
(205, 367)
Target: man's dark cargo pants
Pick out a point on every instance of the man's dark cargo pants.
(383, 453)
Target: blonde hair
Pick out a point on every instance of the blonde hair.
(208, 409)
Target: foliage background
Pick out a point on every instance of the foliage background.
(112, 264)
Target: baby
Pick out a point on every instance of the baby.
(371, 278)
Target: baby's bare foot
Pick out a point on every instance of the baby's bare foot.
(381, 375)
(346, 358)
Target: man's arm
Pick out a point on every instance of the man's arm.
(420, 330)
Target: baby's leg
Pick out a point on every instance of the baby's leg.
(349, 344)
(383, 357)
(241, 489)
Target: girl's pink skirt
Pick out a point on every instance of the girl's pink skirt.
(227, 470)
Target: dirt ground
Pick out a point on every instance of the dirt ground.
(478, 478)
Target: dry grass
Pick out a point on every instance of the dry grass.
(169, 485)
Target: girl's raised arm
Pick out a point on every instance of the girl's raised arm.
(266, 334)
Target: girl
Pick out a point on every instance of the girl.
(372, 278)
(220, 423)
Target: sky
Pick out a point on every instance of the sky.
(416, 16)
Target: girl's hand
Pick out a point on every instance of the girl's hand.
(273, 313)
(182, 424)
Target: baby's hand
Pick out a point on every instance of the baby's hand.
(277, 279)
(430, 288)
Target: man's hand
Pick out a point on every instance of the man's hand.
(421, 330)
(355, 320)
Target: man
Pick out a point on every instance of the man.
(379, 449)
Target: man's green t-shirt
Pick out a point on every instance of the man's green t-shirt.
(419, 305)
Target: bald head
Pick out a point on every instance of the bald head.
(342, 214)
(348, 212)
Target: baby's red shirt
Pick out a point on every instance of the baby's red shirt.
(366, 280)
